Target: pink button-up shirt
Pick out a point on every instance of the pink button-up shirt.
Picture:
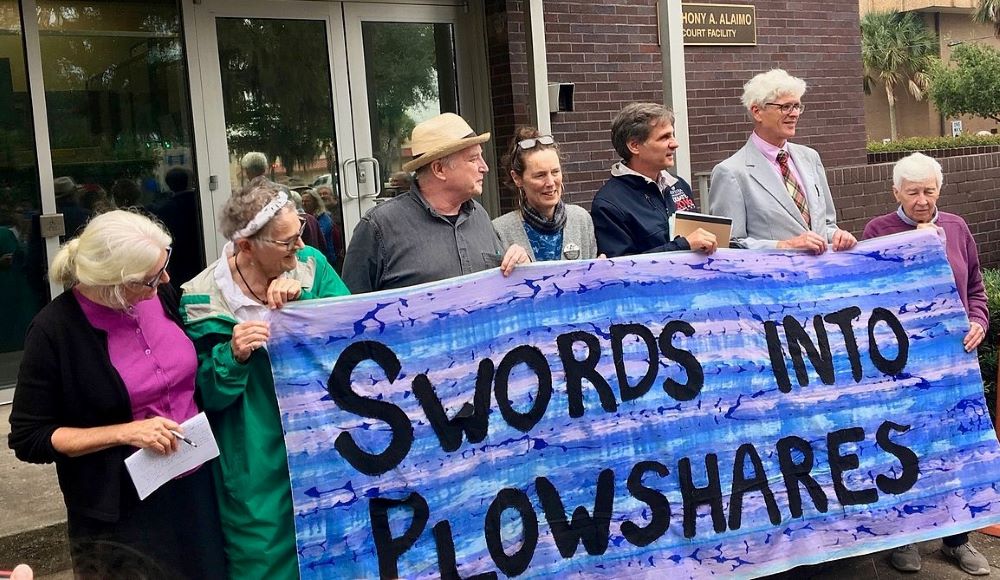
(156, 360)
(771, 153)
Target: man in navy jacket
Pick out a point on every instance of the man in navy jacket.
(634, 209)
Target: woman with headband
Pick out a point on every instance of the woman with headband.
(226, 309)
(543, 224)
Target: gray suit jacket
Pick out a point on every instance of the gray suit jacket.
(579, 230)
(746, 188)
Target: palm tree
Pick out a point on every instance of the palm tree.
(896, 48)
(988, 12)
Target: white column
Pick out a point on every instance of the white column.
(40, 120)
(538, 84)
(674, 83)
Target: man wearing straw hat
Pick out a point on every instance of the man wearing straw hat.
(436, 230)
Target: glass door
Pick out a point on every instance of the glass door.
(274, 82)
(23, 286)
(329, 92)
(410, 59)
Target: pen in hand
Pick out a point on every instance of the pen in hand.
(183, 438)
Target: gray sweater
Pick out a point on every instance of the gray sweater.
(579, 230)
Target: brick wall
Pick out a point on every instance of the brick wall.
(817, 41)
(609, 50)
(971, 190)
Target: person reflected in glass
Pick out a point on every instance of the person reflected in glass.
(332, 203)
(312, 235)
(95, 199)
(226, 310)
(107, 368)
(180, 213)
(254, 166)
(126, 192)
(399, 182)
(544, 224)
(314, 205)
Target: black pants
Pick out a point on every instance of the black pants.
(173, 533)
(956, 540)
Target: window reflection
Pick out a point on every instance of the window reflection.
(411, 77)
(119, 116)
(23, 289)
(284, 113)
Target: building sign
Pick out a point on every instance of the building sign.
(723, 24)
(659, 416)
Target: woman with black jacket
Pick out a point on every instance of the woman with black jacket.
(108, 369)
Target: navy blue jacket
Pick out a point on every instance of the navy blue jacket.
(630, 217)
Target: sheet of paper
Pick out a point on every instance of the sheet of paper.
(150, 470)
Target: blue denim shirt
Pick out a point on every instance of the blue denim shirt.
(403, 242)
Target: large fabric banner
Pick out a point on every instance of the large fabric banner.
(668, 416)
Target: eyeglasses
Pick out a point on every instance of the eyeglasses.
(787, 108)
(526, 144)
(291, 242)
(155, 280)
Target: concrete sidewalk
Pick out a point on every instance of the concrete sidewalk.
(33, 525)
(33, 530)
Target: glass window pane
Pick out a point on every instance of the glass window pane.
(119, 116)
(23, 288)
(411, 77)
(284, 111)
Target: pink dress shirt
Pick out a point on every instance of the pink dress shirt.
(154, 357)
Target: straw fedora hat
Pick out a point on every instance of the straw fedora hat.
(439, 137)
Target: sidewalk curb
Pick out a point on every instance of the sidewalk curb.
(45, 549)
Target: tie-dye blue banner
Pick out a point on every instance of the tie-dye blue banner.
(671, 415)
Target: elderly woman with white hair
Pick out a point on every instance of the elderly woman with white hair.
(107, 369)
(916, 185)
(226, 309)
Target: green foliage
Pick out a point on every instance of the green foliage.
(276, 86)
(971, 86)
(400, 66)
(928, 143)
(991, 344)
(896, 48)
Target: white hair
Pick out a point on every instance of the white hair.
(916, 167)
(115, 248)
(768, 86)
(254, 163)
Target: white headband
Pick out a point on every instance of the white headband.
(263, 216)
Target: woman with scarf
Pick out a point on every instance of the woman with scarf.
(549, 228)
(226, 309)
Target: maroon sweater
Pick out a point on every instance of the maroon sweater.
(960, 248)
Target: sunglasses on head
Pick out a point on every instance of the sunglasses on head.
(526, 144)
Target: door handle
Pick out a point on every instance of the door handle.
(347, 188)
(378, 174)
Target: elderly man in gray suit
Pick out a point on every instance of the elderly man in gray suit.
(775, 191)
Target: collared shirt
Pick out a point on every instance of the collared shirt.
(243, 307)
(663, 179)
(153, 356)
(906, 219)
(404, 241)
(770, 152)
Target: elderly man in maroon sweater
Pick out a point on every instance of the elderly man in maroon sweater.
(916, 184)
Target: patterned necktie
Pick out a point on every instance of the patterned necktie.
(793, 187)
